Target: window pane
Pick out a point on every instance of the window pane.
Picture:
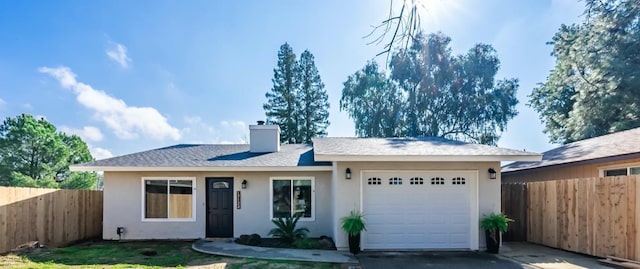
(155, 199)
(281, 198)
(180, 199)
(302, 197)
(634, 170)
(615, 172)
(220, 185)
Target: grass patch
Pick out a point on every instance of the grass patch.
(110, 254)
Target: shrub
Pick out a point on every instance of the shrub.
(306, 243)
(286, 229)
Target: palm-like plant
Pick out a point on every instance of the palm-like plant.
(354, 223)
(286, 229)
(495, 223)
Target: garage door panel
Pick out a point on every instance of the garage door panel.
(418, 216)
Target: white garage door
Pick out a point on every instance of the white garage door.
(420, 209)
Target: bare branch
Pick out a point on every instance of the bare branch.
(402, 28)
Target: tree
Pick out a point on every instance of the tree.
(33, 154)
(282, 107)
(314, 103)
(373, 102)
(440, 94)
(297, 102)
(594, 89)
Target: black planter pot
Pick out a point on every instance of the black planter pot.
(354, 243)
(492, 238)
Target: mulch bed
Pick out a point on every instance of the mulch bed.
(277, 243)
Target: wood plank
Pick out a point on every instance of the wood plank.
(618, 222)
(582, 231)
(602, 217)
(550, 214)
(574, 217)
(636, 255)
(3, 219)
(631, 218)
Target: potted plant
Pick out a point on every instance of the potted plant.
(494, 225)
(354, 224)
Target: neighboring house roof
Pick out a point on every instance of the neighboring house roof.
(412, 149)
(616, 144)
(185, 157)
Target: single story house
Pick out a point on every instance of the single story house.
(616, 154)
(416, 193)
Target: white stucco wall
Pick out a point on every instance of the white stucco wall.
(347, 192)
(123, 208)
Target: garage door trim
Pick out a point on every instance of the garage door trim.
(474, 227)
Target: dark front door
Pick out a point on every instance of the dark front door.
(219, 207)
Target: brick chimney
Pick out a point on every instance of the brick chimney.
(264, 138)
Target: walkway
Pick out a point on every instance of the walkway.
(228, 248)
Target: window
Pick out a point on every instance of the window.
(416, 181)
(615, 172)
(374, 181)
(395, 181)
(621, 171)
(290, 196)
(437, 181)
(458, 181)
(168, 199)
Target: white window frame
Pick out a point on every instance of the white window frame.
(627, 166)
(313, 195)
(144, 200)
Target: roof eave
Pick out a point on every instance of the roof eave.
(426, 158)
(82, 168)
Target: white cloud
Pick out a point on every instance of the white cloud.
(118, 53)
(198, 131)
(27, 106)
(2, 102)
(234, 124)
(126, 122)
(87, 133)
(100, 153)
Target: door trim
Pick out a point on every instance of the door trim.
(207, 194)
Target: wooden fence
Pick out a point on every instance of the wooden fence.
(51, 216)
(595, 216)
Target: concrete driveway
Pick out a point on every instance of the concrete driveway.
(512, 255)
(449, 260)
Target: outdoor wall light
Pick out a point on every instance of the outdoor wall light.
(492, 173)
(347, 174)
(244, 184)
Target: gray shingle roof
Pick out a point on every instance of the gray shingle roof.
(185, 155)
(423, 146)
(616, 144)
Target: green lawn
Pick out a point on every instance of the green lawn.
(128, 255)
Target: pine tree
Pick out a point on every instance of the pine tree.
(297, 102)
(281, 107)
(313, 100)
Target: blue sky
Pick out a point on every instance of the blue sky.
(134, 75)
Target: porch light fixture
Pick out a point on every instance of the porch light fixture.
(244, 184)
(347, 173)
(492, 173)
